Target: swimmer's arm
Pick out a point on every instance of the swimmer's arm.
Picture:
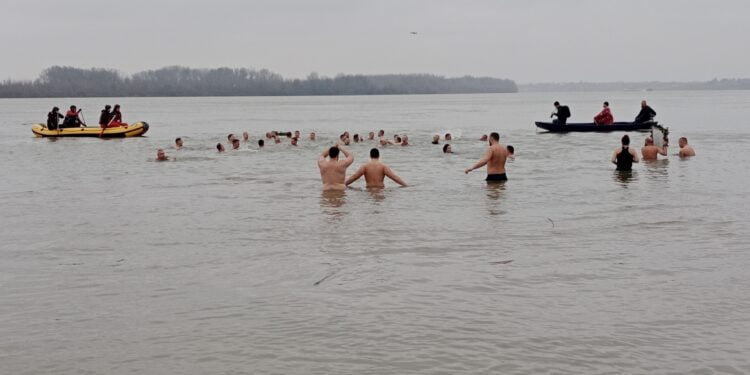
(481, 162)
(614, 157)
(389, 172)
(323, 156)
(663, 150)
(636, 159)
(355, 176)
(349, 156)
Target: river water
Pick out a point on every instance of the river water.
(112, 263)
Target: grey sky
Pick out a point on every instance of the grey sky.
(525, 40)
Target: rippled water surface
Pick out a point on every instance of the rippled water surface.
(238, 263)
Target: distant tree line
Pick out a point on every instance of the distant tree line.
(714, 84)
(63, 81)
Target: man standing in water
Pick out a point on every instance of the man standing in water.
(333, 170)
(375, 172)
(685, 149)
(624, 156)
(494, 158)
(650, 151)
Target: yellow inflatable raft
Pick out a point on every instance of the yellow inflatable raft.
(131, 130)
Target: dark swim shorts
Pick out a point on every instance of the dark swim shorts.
(497, 177)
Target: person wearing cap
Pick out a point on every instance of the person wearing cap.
(105, 116)
(53, 118)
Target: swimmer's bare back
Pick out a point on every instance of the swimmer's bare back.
(375, 173)
(333, 170)
(494, 158)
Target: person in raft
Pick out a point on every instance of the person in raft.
(605, 116)
(53, 118)
(73, 118)
(116, 118)
(105, 117)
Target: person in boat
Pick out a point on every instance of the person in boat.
(375, 172)
(651, 152)
(435, 139)
(333, 170)
(105, 117)
(178, 143)
(72, 118)
(605, 116)
(53, 118)
(624, 156)
(494, 159)
(219, 147)
(447, 149)
(685, 149)
(161, 155)
(562, 113)
(116, 118)
(646, 114)
(261, 143)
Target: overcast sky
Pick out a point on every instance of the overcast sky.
(525, 40)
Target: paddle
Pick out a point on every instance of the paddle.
(83, 121)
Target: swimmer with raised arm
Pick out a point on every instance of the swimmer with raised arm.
(333, 170)
(494, 159)
(375, 172)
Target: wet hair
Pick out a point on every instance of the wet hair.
(495, 136)
(231, 135)
(445, 147)
(398, 139)
(606, 103)
(234, 141)
(177, 139)
(625, 140)
(218, 146)
(511, 149)
(288, 134)
(333, 152)
(374, 153)
(260, 143)
(556, 103)
(684, 139)
(381, 131)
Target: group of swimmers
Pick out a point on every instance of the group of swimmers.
(624, 156)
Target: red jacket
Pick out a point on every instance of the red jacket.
(604, 117)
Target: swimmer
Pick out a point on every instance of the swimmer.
(624, 156)
(297, 134)
(405, 140)
(483, 138)
(375, 172)
(435, 139)
(447, 149)
(356, 138)
(371, 136)
(245, 136)
(494, 158)
(269, 135)
(230, 138)
(235, 144)
(178, 143)
(344, 139)
(220, 147)
(276, 140)
(294, 141)
(261, 143)
(381, 133)
(312, 136)
(511, 151)
(396, 139)
(333, 170)
(685, 149)
(161, 156)
(652, 152)
(448, 137)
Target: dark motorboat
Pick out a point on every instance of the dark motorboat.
(592, 127)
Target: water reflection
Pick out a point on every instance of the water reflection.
(623, 178)
(495, 192)
(331, 202)
(657, 168)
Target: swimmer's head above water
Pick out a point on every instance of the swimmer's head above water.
(447, 149)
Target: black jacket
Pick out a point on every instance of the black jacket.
(563, 112)
(105, 117)
(53, 119)
(645, 115)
